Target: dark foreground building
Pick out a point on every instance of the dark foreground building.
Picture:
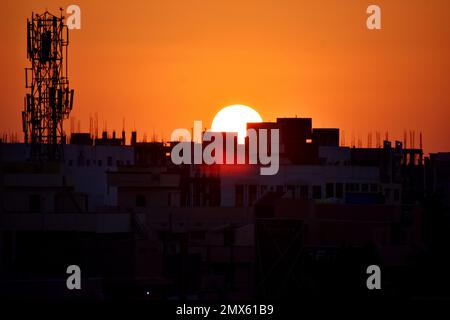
(140, 227)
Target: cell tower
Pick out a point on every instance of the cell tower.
(49, 100)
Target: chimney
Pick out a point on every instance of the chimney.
(114, 135)
(104, 135)
(123, 137)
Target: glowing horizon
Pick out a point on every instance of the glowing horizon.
(162, 65)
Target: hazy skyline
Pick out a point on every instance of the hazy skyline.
(163, 64)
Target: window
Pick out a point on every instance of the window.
(280, 189)
(329, 190)
(110, 161)
(88, 163)
(396, 195)
(239, 195)
(70, 163)
(291, 189)
(141, 201)
(263, 189)
(365, 187)
(198, 235)
(387, 193)
(99, 163)
(304, 194)
(352, 187)
(228, 237)
(251, 194)
(339, 190)
(317, 192)
(34, 202)
(373, 187)
(80, 160)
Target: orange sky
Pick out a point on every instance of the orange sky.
(163, 64)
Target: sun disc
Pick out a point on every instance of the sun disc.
(234, 118)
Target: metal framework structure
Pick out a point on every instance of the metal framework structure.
(49, 100)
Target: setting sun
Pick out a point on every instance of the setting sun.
(234, 118)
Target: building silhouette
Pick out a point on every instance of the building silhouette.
(141, 227)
